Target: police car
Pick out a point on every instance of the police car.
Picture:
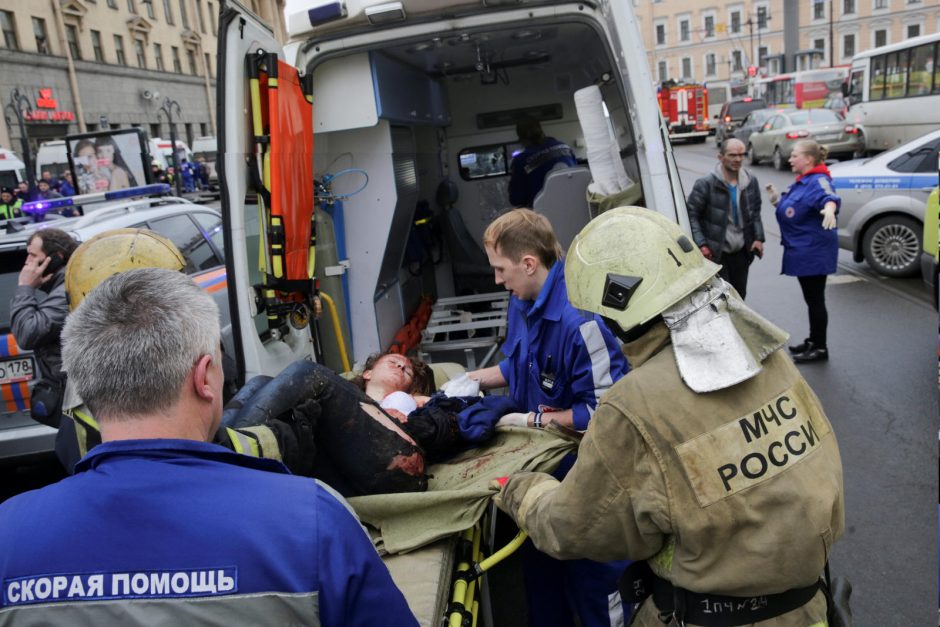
(883, 199)
(196, 231)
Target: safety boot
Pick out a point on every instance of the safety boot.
(813, 353)
(801, 348)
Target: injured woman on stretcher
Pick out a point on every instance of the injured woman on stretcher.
(375, 434)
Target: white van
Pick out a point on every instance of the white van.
(161, 151)
(52, 156)
(12, 169)
(205, 147)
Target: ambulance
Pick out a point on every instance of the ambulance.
(360, 163)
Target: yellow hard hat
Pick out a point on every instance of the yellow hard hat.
(630, 264)
(115, 251)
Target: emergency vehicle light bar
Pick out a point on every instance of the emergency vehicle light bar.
(45, 206)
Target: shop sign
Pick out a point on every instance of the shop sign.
(47, 109)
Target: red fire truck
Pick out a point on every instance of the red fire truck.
(685, 108)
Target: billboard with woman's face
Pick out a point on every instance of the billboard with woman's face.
(108, 160)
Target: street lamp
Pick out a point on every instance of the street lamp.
(167, 108)
(19, 104)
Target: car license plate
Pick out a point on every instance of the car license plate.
(17, 369)
(827, 137)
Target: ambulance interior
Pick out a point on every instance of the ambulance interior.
(431, 121)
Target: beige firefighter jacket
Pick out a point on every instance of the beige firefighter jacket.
(735, 492)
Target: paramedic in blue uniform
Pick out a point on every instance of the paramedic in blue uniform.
(528, 169)
(559, 362)
(156, 518)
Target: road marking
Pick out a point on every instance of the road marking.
(844, 278)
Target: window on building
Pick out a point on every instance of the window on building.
(709, 25)
(881, 4)
(710, 64)
(151, 12)
(203, 129)
(119, 50)
(848, 7)
(660, 34)
(112, 4)
(175, 53)
(208, 67)
(189, 133)
(913, 30)
(737, 63)
(8, 25)
(762, 17)
(202, 20)
(686, 67)
(663, 71)
(71, 37)
(155, 130)
(762, 53)
(212, 16)
(168, 11)
(42, 36)
(132, 7)
(819, 9)
(191, 58)
(735, 21)
(848, 46)
(158, 56)
(184, 17)
(683, 30)
(881, 38)
(96, 46)
(141, 54)
(819, 44)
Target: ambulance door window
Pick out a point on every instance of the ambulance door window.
(189, 239)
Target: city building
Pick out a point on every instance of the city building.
(83, 65)
(719, 40)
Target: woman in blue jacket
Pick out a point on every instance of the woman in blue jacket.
(806, 213)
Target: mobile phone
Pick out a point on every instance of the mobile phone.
(56, 262)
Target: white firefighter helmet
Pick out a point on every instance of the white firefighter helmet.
(630, 264)
(113, 252)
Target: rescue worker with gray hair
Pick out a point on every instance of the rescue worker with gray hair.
(712, 459)
(159, 525)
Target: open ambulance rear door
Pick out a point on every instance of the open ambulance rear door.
(260, 348)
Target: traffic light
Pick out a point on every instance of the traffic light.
(752, 71)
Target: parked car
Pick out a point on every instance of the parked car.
(776, 138)
(930, 255)
(753, 122)
(196, 231)
(883, 200)
(732, 114)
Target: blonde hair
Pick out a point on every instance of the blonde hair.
(813, 150)
(523, 231)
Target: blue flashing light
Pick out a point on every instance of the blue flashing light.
(42, 207)
(143, 190)
(327, 13)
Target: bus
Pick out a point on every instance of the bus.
(894, 92)
(808, 89)
(720, 92)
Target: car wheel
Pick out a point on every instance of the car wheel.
(892, 246)
(779, 162)
(752, 156)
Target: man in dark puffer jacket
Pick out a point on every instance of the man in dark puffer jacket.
(724, 214)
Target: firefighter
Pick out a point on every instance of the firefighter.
(712, 459)
(288, 438)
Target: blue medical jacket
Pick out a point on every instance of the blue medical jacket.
(558, 357)
(146, 523)
(808, 249)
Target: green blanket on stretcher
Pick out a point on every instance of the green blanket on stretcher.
(458, 490)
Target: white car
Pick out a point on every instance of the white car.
(883, 199)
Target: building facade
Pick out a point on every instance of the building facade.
(719, 40)
(83, 65)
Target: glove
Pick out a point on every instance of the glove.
(515, 419)
(461, 386)
(829, 216)
(706, 251)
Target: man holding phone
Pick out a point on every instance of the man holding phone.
(724, 215)
(37, 314)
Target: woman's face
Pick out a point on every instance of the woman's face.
(105, 153)
(800, 162)
(394, 371)
(87, 158)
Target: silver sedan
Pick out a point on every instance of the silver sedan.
(776, 138)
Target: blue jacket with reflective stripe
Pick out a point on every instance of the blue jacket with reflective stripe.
(808, 249)
(558, 357)
(148, 507)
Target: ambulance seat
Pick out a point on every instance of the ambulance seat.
(472, 272)
(563, 200)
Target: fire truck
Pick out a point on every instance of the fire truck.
(685, 109)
